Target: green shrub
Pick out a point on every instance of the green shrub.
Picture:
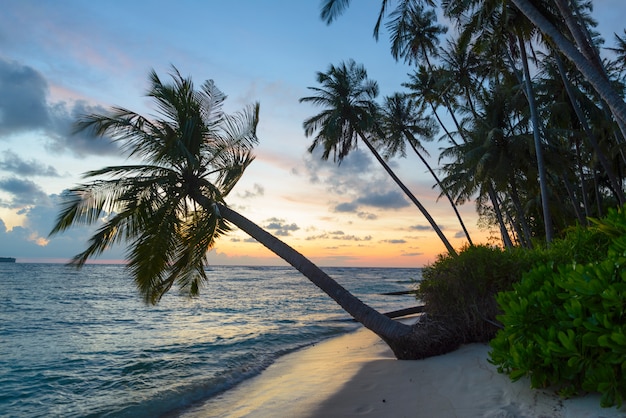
(460, 290)
(565, 324)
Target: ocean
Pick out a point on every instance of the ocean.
(81, 343)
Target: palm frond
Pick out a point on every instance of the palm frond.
(163, 209)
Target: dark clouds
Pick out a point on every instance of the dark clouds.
(421, 227)
(23, 93)
(394, 241)
(373, 199)
(24, 108)
(63, 139)
(24, 193)
(386, 200)
(279, 228)
(360, 182)
(13, 163)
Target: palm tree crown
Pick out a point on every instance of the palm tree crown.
(347, 96)
(171, 209)
(193, 154)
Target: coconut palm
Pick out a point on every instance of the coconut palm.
(402, 123)
(349, 114)
(171, 208)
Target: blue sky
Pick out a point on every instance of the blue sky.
(63, 58)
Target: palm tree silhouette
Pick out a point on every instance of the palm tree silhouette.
(171, 209)
(349, 114)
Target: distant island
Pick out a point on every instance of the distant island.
(7, 260)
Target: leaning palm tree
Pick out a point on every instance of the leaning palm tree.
(349, 114)
(170, 209)
(403, 122)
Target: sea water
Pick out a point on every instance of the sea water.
(82, 343)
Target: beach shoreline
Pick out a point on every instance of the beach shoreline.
(356, 375)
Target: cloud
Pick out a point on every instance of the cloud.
(346, 207)
(15, 164)
(24, 193)
(257, 190)
(459, 234)
(387, 200)
(353, 175)
(353, 207)
(31, 240)
(421, 227)
(411, 254)
(63, 139)
(358, 180)
(339, 236)
(22, 99)
(24, 108)
(394, 241)
(280, 228)
(367, 216)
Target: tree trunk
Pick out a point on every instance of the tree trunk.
(410, 195)
(547, 218)
(404, 340)
(572, 197)
(506, 239)
(520, 213)
(445, 192)
(583, 186)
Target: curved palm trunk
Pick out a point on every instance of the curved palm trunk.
(587, 69)
(400, 337)
(541, 166)
(443, 126)
(445, 192)
(410, 195)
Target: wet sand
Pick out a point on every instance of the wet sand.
(356, 375)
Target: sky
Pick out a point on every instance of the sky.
(62, 59)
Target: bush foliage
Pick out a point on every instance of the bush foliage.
(565, 322)
(460, 290)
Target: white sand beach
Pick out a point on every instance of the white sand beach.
(356, 375)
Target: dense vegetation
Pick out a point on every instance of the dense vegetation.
(565, 323)
(527, 134)
(553, 314)
(531, 108)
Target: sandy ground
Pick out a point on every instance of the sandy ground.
(356, 375)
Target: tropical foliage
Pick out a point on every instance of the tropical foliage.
(564, 324)
(534, 117)
(530, 106)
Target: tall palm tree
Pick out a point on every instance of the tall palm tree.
(401, 124)
(349, 114)
(170, 209)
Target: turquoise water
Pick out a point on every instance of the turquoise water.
(81, 343)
